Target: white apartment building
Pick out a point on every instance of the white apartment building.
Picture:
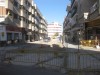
(20, 20)
(54, 28)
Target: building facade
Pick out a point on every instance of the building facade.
(40, 25)
(20, 20)
(54, 28)
(92, 24)
(83, 17)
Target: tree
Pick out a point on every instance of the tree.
(55, 35)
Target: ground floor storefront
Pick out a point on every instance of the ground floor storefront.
(10, 34)
(92, 33)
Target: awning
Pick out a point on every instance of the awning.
(13, 28)
(94, 22)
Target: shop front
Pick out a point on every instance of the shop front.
(92, 33)
(14, 34)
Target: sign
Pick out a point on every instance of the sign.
(86, 15)
(2, 2)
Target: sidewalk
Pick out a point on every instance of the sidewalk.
(89, 48)
(48, 43)
(67, 45)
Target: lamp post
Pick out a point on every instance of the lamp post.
(79, 33)
(78, 52)
(85, 17)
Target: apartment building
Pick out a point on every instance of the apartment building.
(70, 25)
(53, 28)
(10, 21)
(81, 18)
(43, 31)
(20, 20)
(40, 27)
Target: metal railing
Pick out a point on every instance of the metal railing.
(70, 62)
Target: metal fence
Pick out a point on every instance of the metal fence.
(83, 63)
(72, 63)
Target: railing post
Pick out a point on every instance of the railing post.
(65, 62)
(39, 58)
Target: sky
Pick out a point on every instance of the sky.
(53, 10)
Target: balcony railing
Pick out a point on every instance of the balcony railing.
(72, 2)
(73, 12)
(94, 7)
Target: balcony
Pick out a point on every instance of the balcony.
(16, 22)
(73, 12)
(68, 26)
(94, 12)
(74, 4)
(66, 21)
(26, 15)
(9, 5)
(94, 8)
(68, 8)
(16, 10)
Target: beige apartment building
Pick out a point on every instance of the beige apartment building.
(43, 30)
(40, 27)
(83, 17)
(20, 20)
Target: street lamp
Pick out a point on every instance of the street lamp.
(79, 33)
(78, 51)
(85, 17)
